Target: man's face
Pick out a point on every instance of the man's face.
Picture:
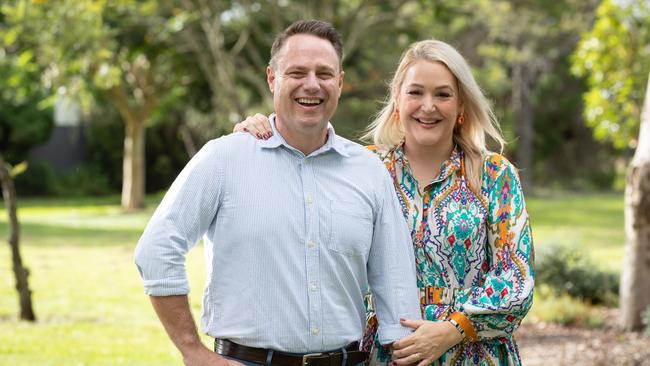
(306, 84)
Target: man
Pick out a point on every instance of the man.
(295, 227)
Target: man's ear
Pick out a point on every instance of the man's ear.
(342, 74)
(270, 78)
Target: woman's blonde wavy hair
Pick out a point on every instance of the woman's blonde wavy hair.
(479, 122)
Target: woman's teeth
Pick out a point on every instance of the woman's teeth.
(427, 121)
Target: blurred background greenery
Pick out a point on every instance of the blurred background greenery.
(147, 83)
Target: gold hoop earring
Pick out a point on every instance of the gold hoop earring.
(461, 119)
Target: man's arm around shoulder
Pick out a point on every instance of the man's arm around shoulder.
(175, 315)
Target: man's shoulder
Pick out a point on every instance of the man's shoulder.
(365, 161)
(236, 141)
(355, 149)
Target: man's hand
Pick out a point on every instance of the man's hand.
(175, 315)
(202, 356)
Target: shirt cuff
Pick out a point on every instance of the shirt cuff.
(167, 287)
(392, 332)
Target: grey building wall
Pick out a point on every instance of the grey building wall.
(65, 148)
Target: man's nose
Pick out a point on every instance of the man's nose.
(311, 82)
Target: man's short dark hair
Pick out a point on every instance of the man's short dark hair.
(317, 28)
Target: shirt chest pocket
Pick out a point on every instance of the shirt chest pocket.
(348, 228)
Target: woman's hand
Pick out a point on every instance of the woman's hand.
(257, 125)
(429, 341)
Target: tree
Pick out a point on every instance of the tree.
(231, 41)
(524, 41)
(24, 123)
(635, 287)
(114, 48)
(614, 56)
(21, 272)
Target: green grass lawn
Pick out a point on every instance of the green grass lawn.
(89, 300)
(591, 223)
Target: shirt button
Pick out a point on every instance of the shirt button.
(306, 162)
(309, 200)
(315, 331)
(312, 287)
(311, 244)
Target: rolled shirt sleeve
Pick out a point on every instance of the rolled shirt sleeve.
(180, 220)
(391, 269)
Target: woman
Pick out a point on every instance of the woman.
(464, 206)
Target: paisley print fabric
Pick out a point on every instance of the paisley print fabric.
(477, 245)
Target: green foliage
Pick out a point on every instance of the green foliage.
(165, 155)
(568, 270)
(25, 121)
(561, 308)
(40, 179)
(614, 57)
(22, 127)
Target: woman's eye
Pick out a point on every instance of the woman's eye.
(444, 95)
(413, 92)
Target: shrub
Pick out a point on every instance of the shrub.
(569, 270)
(84, 180)
(40, 179)
(560, 308)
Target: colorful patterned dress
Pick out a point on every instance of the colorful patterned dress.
(474, 255)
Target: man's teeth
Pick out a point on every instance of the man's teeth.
(308, 101)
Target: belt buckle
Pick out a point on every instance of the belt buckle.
(305, 358)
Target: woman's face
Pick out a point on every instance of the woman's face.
(428, 104)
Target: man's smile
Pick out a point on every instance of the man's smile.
(308, 102)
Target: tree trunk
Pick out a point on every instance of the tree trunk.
(635, 283)
(188, 140)
(20, 272)
(523, 115)
(133, 168)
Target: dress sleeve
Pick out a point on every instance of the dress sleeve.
(498, 306)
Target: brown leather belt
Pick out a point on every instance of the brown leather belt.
(352, 355)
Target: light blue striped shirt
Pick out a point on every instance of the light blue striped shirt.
(291, 243)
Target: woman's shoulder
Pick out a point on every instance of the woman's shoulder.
(380, 150)
(495, 165)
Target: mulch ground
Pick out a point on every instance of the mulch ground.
(551, 344)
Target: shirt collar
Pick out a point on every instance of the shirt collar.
(447, 168)
(333, 141)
